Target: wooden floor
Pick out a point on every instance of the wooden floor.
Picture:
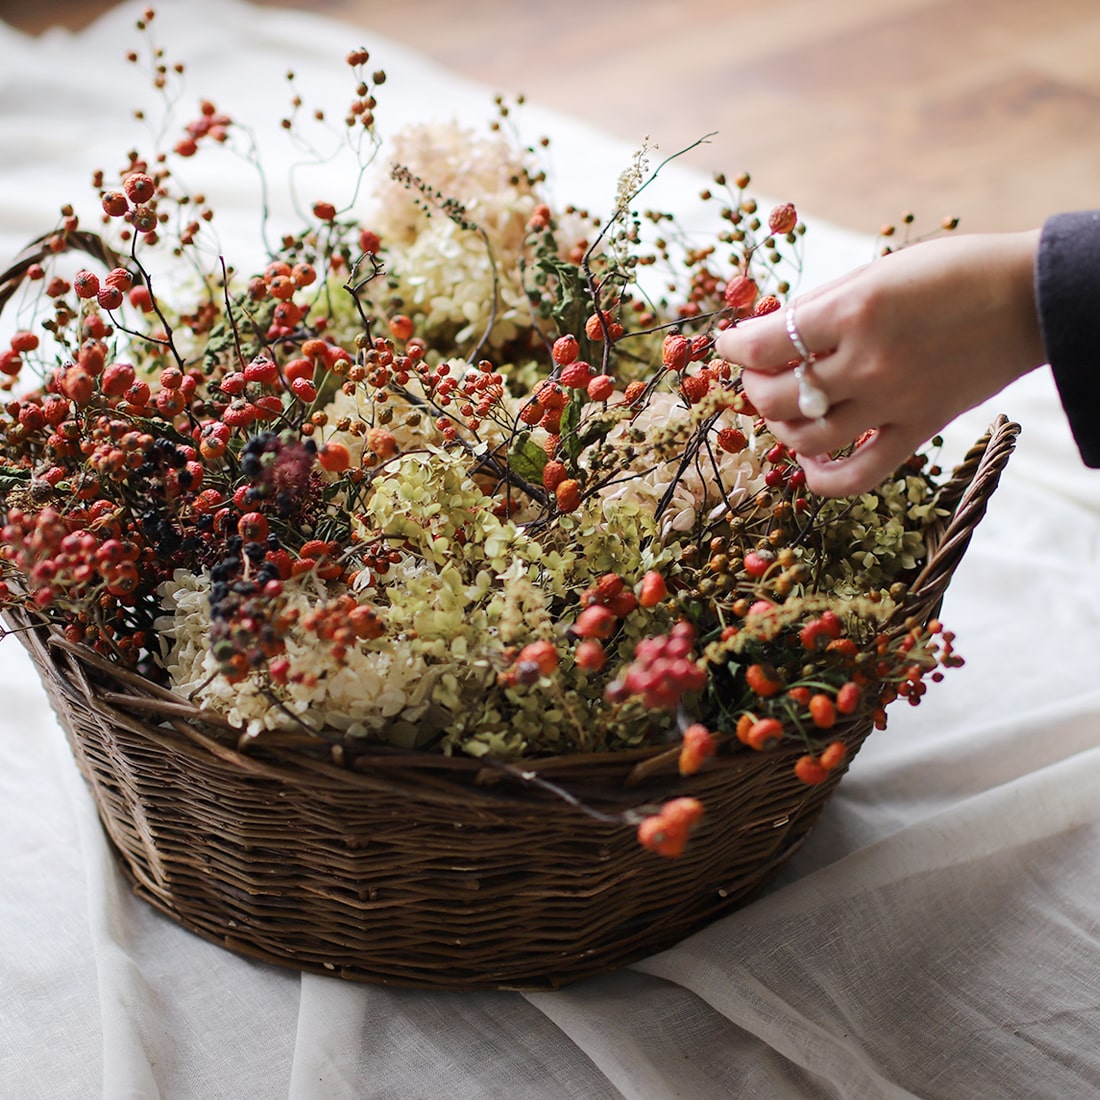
(855, 109)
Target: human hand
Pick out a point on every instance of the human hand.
(901, 346)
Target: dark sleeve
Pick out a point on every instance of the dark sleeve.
(1067, 291)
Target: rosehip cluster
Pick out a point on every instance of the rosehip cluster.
(662, 671)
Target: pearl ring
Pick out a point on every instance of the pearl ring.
(813, 401)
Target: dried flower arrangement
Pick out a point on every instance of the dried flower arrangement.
(456, 470)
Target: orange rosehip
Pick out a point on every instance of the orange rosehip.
(590, 655)
(531, 413)
(115, 204)
(740, 292)
(594, 326)
(848, 698)
(653, 589)
(401, 327)
(766, 305)
(764, 734)
(542, 655)
(822, 711)
(762, 680)
(744, 724)
(698, 745)
(683, 813)
(553, 474)
(732, 440)
(382, 443)
(577, 375)
(783, 219)
(694, 388)
(596, 621)
(334, 457)
(549, 395)
(675, 352)
(252, 527)
(667, 832)
(653, 834)
(801, 695)
(568, 495)
(833, 755)
(601, 387)
(809, 770)
(565, 350)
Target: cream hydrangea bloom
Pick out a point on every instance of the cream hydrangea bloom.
(715, 481)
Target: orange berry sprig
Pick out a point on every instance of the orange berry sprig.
(667, 831)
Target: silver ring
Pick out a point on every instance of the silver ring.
(796, 336)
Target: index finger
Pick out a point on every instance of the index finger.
(765, 344)
(758, 343)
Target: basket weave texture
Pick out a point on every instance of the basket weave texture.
(416, 869)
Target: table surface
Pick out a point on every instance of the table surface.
(939, 935)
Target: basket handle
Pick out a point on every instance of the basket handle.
(80, 240)
(967, 493)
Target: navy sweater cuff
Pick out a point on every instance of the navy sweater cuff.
(1067, 291)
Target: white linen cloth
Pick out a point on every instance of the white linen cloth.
(938, 937)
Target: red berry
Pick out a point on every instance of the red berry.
(304, 390)
(110, 297)
(675, 352)
(740, 292)
(115, 204)
(590, 655)
(139, 187)
(24, 341)
(253, 527)
(653, 589)
(822, 711)
(541, 654)
(601, 387)
(762, 680)
(86, 283)
(577, 375)
(553, 474)
(848, 698)
(732, 440)
(565, 350)
(595, 622)
(334, 457)
(758, 562)
(568, 495)
(764, 734)
(783, 219)
(810, 771)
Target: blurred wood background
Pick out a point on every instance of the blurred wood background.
(856, 110)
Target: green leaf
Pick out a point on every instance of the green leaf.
(570, 420)
(527, 459)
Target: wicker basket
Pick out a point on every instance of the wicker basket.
(416, 869)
